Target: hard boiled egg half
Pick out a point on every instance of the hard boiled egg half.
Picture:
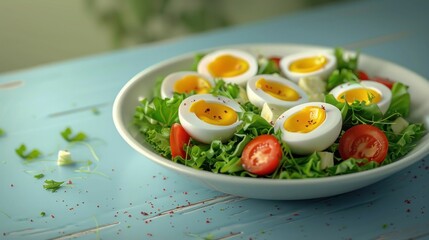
(308, 64)
(309, 127)
(368, 91)
(185, 82)
(274, 90)
(206, 117)
(231, 65)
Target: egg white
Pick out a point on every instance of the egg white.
(240, 79)
(324, 72)
(386, 94)
(167, 86)
(317, 140)
(203, 131)
(258, 97)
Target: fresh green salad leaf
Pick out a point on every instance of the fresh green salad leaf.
(228, 90)
(401, 144)
(67, 135)
(346, 70)
(351, 165)
(339, 77)
(28, 156)
(157, 88)
(52, 185)
(154, 120)
(160, 112)
(343, 62)
(401, 100)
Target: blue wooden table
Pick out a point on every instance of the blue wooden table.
(112, 192)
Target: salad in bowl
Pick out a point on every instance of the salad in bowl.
(288, 118)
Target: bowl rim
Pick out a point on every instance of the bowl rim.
(386, 170)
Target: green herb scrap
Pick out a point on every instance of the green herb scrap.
(67, 135)
(52, 185)
(95, 111)
(2, 132)
(39, 176)
(28, 156)
(42, 214)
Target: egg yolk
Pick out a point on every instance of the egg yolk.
(306, 120)
(214, 113)
(228, 66)
(310, 64)
(191, 83)
(278, 90)
(360, 94)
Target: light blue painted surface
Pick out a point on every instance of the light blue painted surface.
(135, 198)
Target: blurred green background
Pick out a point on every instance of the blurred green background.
(35, 32)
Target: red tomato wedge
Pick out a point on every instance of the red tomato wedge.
(179, 138)
(262, 155)
(362, 75)
(385, 81)
(364, 142)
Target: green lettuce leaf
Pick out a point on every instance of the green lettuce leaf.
(350, 63)
(401, 100)
(228, 90)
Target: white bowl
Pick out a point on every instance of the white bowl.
(280, 189)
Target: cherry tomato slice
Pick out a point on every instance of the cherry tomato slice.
(262, 155)
(387, 82)
(364, 142)
(362, 75)
(178, 139)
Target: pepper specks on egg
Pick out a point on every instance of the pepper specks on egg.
(274, 90)
(207, 118)
(310, 127)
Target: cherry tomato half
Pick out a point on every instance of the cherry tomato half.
(178, 139)
(262, 155)
(385, 81)
(362, 75)
(364, 142)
